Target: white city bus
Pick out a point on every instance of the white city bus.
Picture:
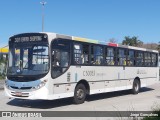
(52, 66)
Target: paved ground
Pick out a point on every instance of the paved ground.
(1, 84)
(147, 99)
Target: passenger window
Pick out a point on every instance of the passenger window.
(81, 54)
(78, 54)
(122, 57)
(154, 59)
(96, 55)
(85, 55)
(131, 59)
(110, 56)
(147, 58)
(139, 59)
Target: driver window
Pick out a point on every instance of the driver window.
(60, 57)
(64, 59)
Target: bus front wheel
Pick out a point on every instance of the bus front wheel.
(79, 94)
(136, 86)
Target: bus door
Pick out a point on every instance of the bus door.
(60, 64)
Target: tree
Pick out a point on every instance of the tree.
(1, 58)
(132, 41)
(113, 40)
(153, 46)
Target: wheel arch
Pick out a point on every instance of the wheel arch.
(86, 84)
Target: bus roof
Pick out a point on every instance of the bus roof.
(103, 43)
(96, 41)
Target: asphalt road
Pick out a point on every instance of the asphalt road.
(146, 100)
(2, 84)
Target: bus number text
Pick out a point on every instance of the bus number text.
(89, 73)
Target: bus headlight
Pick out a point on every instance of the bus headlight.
(40, 85)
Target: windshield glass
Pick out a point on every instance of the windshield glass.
(28, 59)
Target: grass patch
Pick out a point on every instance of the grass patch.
(2, 77)
(153, 118)
(156, 110)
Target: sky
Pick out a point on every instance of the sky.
(94, 19)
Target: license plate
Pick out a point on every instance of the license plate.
(18, 93)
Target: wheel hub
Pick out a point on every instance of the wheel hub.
(80, 94)
(136, 86)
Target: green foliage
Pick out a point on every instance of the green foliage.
(2, 76)
(156, 110)
(132, 41)
(153, 118)
(3, 61)
(113, 40)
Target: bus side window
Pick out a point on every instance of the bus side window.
(154, 59)
(81, 54)
(85, 55)
(131, 59)
(110, 56)
(96, 55)
(78, 57)
(139, 58)
(122, 57)
(147, 58)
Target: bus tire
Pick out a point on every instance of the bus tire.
(136, 86)
(79, 94)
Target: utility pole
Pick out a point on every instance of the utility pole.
(43, 4)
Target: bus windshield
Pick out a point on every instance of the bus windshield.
(28, 57)
(28, 60)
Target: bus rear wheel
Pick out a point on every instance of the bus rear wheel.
(79, 94)
(136, 86)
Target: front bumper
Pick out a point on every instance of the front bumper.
(41, 93)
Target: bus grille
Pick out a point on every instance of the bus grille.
(22, 88)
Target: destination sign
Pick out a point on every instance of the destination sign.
(28, 39)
